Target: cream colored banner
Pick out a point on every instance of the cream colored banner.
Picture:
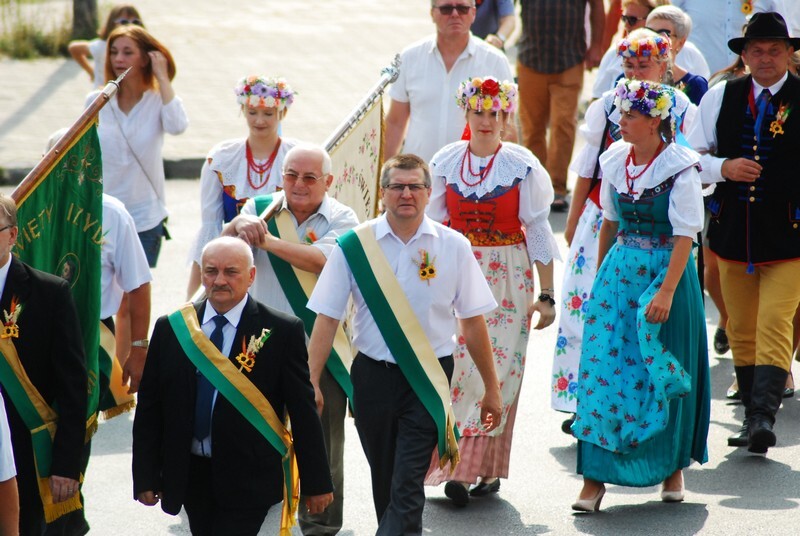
(357, 164)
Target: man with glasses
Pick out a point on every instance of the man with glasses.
(44, 381)
(412, 280)
(552, 54)
(421, 118)
(318, 220)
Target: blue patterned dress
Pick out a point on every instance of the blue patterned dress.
(643, 389)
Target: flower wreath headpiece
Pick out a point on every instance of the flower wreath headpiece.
(648, 98)
(654, 45)
(257, 91)
(487, 94)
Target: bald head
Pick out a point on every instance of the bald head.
(227, 272)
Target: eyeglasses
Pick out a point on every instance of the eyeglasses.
(665, 32)
(308, 179)
(447, 9)
(6, 227)
(123, 22)
(399, 188)
(631, 20)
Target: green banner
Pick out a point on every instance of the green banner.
(60, 232)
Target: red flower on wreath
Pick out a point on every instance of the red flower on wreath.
(490, 87)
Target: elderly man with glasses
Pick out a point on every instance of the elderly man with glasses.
(317, 220)
(421, 118)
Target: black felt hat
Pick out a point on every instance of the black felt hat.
(767, 25)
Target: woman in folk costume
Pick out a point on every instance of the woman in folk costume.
(645, 56)
(498, 195)
(643, 394)
(238, 169)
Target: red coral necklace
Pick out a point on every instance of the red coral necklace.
(264, 169)
(629, 179)
(481, 174)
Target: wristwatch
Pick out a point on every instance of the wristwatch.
(141, 343)
(544, 297)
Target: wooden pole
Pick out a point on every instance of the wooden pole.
(89, 115)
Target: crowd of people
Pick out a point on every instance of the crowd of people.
(417, 321)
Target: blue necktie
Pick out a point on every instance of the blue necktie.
(205, 391)
(761, 106)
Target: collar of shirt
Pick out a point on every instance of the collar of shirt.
(4, 273)
(774, 88)
(324, 209)
(233, 316)
(469, 50)
(382, 228)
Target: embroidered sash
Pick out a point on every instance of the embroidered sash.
(40, 419)
(403, 334)
(245, 397)
(114, 397)
(297, 286)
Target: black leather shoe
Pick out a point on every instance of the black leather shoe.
(482, 488)
(740, 438)
(721, 345)
(761, 435)
(566, 426)
(457, 493)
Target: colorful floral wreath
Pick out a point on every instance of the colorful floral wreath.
(647, 98)
(257, 91)
(487, 94)
(654, 45)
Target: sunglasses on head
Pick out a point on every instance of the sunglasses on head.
(630, 20)
(124, 22)
(664, 32)
(448, 9)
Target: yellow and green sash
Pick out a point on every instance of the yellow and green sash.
(297, 286)
(114, 397)
(402, 333)
(41, 420)
(245, 397)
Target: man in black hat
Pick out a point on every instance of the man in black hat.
(749, 131)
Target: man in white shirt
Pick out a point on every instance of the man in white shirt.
(437, 283)
(748, 140)
(421, 110)
(318, 221)
(9, 497)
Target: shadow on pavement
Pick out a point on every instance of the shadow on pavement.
(480, 516)
(654, 517)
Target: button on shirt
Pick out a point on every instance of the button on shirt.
(331, 220)
(430, 90)
(459, 289)
(203, 448)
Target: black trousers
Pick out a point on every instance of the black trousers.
(206, 518)
(398, 436)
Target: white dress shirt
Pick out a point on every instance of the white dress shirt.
(203, 448)
(459, 289)
(703, 134)
(430, 89)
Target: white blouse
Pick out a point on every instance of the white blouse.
(685, 199)
(131, 144)
(512, 162)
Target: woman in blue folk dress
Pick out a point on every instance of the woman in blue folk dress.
(643, 389)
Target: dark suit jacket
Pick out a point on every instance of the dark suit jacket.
(246, 469)
(51, 351)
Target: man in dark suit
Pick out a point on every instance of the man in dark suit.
(225, 473)
(41, 323)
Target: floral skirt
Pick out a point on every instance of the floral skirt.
(578, 278)
(508, 271)
(643, 394)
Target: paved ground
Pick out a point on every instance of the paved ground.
(332, 52)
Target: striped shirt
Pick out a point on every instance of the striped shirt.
(553, 34)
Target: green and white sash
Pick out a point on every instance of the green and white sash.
(297, 286)
(245, 397)
(403, 334)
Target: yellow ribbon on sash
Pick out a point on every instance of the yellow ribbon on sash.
(123, 401)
